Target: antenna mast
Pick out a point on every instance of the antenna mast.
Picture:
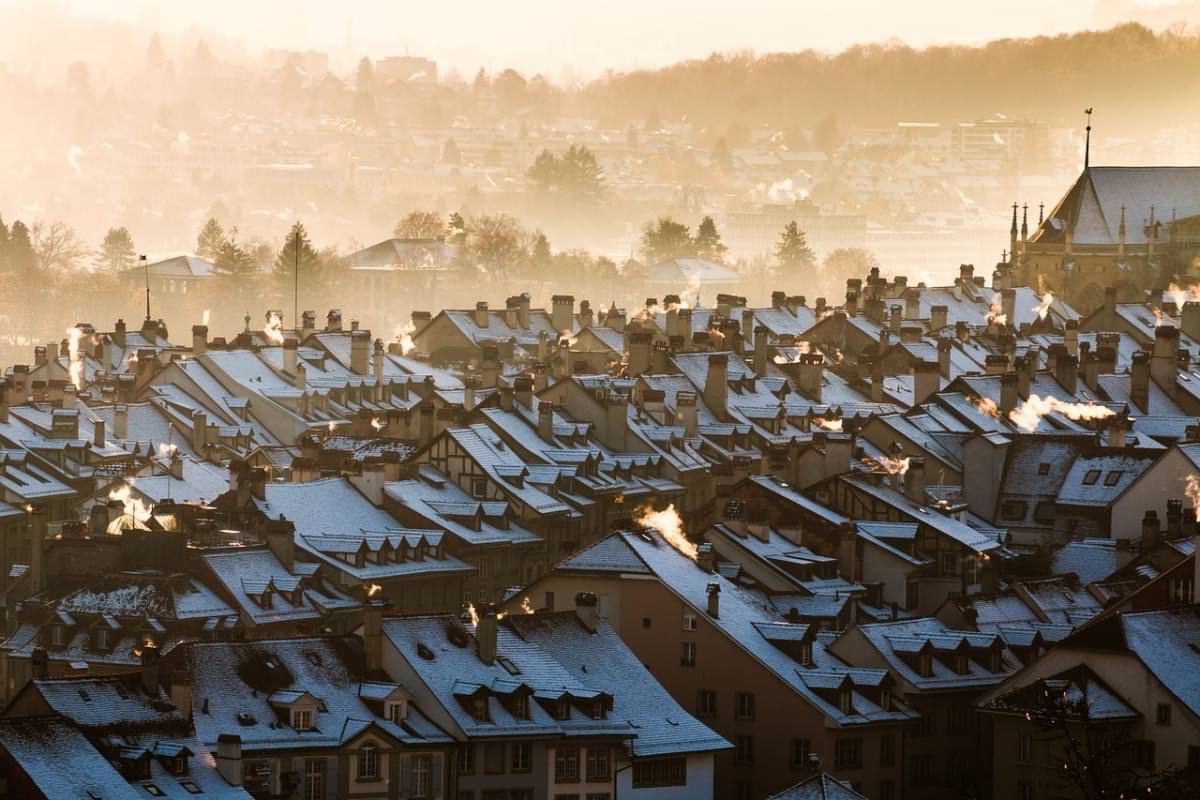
(1087, 141)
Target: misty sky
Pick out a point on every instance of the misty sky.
(546, 35)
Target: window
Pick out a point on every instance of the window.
(597, 709)
(1144, 754)
(744, 754)
(521, 757)
(1112, 477)
(847, 754)
(493, 758)
(925, 664)
(887, 751)
(887, 790)
(597, 764)
(466, 760)
(1044, 468)
(689, 622)
(1014, 509)
(302, 719)
(395, 712)
(1181, 590)
(1091, 477)
(566, 765)
(706, 702)
(368, 763)
(920, 769)
(562, 709)
(950, 563)
(1162, 714)
(1043, 512)
(520, 706)
(422, 776)
(687, 657)
(479, 709)
(1024, 748)
(660, 772)
(646, 622)
(1024, 790)
(549, 604)
(478, 487)
(800, 750)
(1193, 758)
(745, 705)
(744, 790)
(314, 779)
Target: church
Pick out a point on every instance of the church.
(1132, 228)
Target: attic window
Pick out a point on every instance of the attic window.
(395, 711)
(478, 487)
(302, 719)
(479, 709)
(961, 665)
(562, 710)
(1112, 477)
(926, 664)
(520, 706)
(806, 654)
(1044, 468)
(1091, 477)
(597, 709)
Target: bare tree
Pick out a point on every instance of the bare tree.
(420, 225)
(56, 246)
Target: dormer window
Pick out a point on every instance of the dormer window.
(597, 709)
(961, 665)
(885, 698)
(102, 638)
(177, 765)
(925, 664)
(520, 706)
(479, 709)
(302, 719)
(58, 635)
(394, 710)
(845, 701)
(806, 654)
(994, 661)
(562, 709)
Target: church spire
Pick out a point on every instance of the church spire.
(1087, 141)
(1012, 235)
(1025, 223)
(1121, 235)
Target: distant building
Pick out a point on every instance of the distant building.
(406, 68)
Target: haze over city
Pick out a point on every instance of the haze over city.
(653, 401)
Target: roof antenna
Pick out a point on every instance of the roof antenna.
(1087, 142)
(146, 264)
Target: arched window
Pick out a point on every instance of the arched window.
(368, 762)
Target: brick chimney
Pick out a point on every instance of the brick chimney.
(713, 590)
(1008, 392)
(1150, 531)
(914, 480)
(685, 409)
(290, 355)
(199, 340)
(810, 375)
(760, 351)
(485, 634)
(926, 381)
(1163, 365)
(1139, 381)
(373, 634)
(360, 350)
(333, 321)
(938, 317)
(281, 540)
(586, 608)
(229, 758)
(562, 312)
(121, 422)
(149, 671)
(546, 420)
(716, 385)
(639, 352)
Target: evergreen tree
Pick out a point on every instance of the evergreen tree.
(3, 246)
(234, 260)
(793, 257)
(298, 255)
(708, 242)
(665, 239)
(21, 255)
(583, 179)
(210, 239)
(117, 252)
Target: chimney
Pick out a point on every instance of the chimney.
(121, 422)
(685, 408)
(149, 671)
(706, 558)
(485, 634)
(1118, 426)
(333, 321)
(562, 312)
(176, 465)
(1071, 337)
(373, 634)
(1139, 381)
(469, 393)
(199, 431)
(1008, 303)
(199, 341)
(523, 391)
(714, 600)
(281, 540)
(118, 335)
(99, 439)
(290, 346)
(716, 385)
(360, 347)
(1008, 393)
(229, 758)
(1150, 531)
(489, 366)
(586, 608)
(546, 421)
(760, 351)
(944, 347)
(896, 319)
(939, 316)
(425, 432)
(1163, 364)
(1025, 367)
(914, 480)
(616, 420)
(926, 381)
(523, 312)
(1174, 518)
(1066, 372)
(810, 375)
(308, 324)
(380, 363)
(180, 692)
(912, 305)
(639, 352)
(39, 662)
(3, 399)
(586, 319)
(481, 314)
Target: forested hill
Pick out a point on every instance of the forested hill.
(1138, 80)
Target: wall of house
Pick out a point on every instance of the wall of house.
(701, 782)
(1165, 480)
(537, 778)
